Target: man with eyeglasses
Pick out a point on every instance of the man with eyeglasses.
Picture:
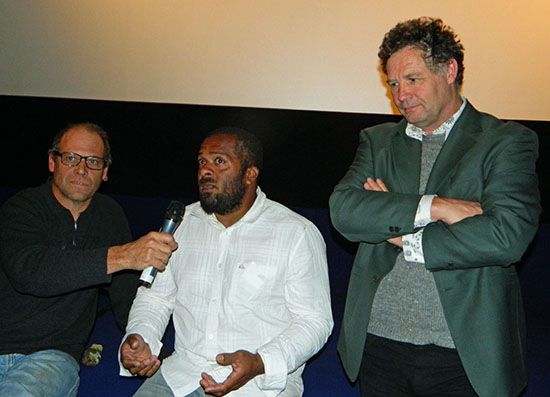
(60, 244)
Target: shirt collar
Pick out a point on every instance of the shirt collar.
(250, 217)
(417, 133)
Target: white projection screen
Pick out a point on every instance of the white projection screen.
(287, 54)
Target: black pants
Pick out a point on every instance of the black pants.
(391, 368)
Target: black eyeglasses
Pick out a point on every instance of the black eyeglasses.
(71, 159)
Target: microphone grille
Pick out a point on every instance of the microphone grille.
(175, 210)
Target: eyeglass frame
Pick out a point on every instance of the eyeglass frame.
(60, 154)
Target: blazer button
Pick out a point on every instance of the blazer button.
(375, 278)
(397, 228)
(392, 229)
(451, 265)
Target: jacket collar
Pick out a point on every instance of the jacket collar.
(407, 152)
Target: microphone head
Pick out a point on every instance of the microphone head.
(175, 211)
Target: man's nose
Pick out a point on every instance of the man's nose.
(403, 92)
(205, 170)
(81, 168)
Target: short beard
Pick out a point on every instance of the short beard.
(226, 202)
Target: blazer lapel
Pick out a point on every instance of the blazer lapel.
(461, 139)
(406, 154)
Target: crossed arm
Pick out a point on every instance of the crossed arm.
(448, 210)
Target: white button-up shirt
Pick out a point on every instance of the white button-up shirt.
(260, 285)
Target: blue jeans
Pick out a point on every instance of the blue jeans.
(50, 373)
(156, 386)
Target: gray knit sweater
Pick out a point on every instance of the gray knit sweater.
(406, 307)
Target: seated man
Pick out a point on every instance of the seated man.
(248, 289)
(60, 244)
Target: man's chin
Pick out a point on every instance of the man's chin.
(206, 205)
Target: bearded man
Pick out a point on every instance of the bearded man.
(247, 289)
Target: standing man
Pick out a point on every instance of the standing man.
(443, 204)
(248, 289)
(59, 244)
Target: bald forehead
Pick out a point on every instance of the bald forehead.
(80, 136)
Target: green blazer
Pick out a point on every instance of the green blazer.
(484, 160)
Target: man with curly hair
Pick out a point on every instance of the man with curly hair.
(443, 204)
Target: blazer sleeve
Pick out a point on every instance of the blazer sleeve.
(510, 202)
(368, 216)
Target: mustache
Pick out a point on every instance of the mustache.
(205, 180)
(406, 104)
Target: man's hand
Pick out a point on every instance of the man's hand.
(154, 249)
(245, 367)
(375, 185)
(379, 186)
(136, 356)
(451, 210)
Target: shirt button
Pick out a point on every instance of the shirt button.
(408, 253)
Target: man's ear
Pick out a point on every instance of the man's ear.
(104, 176)
(251, 175)
(452, 71)
(51, 162)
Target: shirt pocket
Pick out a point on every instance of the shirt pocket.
(250, 281)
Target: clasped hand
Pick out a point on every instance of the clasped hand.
(136, 356)
(245, 366)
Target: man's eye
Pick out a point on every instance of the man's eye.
(92, 161)
(70, 159)
(393, 84)
(219, 161)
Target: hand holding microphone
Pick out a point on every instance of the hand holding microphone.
(172, 219)
(150, 251)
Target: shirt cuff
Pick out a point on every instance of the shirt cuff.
(423, 212)
(412, 247)
(275, 369)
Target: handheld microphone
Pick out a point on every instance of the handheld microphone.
(172, 219)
